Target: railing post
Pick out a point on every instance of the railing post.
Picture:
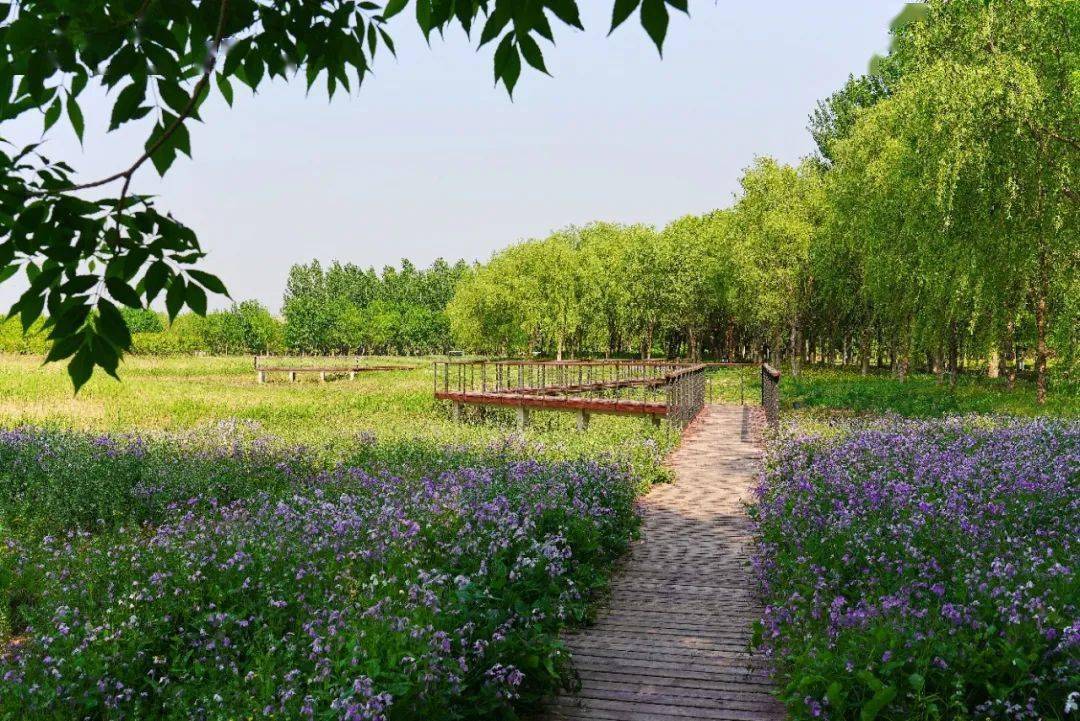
(770, 394)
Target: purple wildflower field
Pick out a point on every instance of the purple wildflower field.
(924, 569)
(344, 595)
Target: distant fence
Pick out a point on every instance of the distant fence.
(321, 366)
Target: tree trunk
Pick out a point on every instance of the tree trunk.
(796, 350)
(954, 350)
(1042, 290)
(993, 364)
(864, 352)
(1009, 353)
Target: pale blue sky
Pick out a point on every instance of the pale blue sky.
(429, 159)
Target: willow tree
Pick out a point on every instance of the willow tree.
(965, 176)
(85, 255)
(776, 218)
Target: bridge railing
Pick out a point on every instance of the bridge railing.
(638, 379)
(685, 393)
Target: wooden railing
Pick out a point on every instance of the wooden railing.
(685, 391)
(671, 389)
(770, 394)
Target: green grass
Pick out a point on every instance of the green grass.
(921, 395)
(338, 418)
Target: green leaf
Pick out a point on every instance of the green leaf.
(64, 348)
(79, 284)
(106, 355)
(164, 155)
(836, 697)
(155, 278)
(52, 114)
(507, 63)
(30, 309)
(81, 367)
(211, 282)
(680, 5)
(567, 11)
(917, 681)
(75, 116)
(253, 70)
(877, 702)
(235, 56)
(196, 299)
(870, 680)
(423, 16)
(174, 297)
(128, 104)
(112, 326)
(123, 292)
(225, 87)
(174, 95)
(531, 52)
(9, 271)
(654, 18)
(494, 25)
(70, 320)
(388, 41)
(622, 10)
(393, 7)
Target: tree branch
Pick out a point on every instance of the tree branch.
(196, 92)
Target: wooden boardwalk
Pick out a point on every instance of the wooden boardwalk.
(673, 642)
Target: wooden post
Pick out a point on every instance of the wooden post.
(523, 417)
(352, 375)
(583, 420)
(655, 420)
(322, 376)
(262, 376)
(455, 412)
(292, 376)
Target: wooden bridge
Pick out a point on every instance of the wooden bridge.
(655, 389)
(675, 390)
(674, 640)
(326, 367)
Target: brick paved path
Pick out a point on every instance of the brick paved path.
(673, 641)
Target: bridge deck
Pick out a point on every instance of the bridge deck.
(674, 640)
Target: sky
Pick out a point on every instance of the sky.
(429, 159)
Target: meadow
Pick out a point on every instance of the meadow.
(190, 543)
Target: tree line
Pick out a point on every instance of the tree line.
(245, 327)
(347, 309)
(342, 309)
(936, 225)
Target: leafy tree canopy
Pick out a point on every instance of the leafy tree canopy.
(86, 255)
